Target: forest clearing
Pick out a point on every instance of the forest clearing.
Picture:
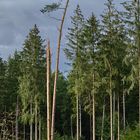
(97, 98)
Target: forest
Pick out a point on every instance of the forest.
(99, 97)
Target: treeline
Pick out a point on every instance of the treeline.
(99, 98)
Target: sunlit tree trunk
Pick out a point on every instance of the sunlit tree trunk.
(77, 105)
(93, 113)
(111, 116)
(118, 118)
(56, 71)
(36, 123)
(48, 62)
(123, 110)
(39, 127)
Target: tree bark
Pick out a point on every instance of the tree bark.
(124, 111)
(17, 113)
(48, 62)
(110, 92)
(36, 123)
(93, 111)
(39, 127)
(103, 119)
(56, 71)
(77, 104)
(31, 123)
(118, 118)
(80, 118)
(114, 117)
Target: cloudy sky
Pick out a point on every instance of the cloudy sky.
(18, 16)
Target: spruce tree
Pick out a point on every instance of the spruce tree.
(32, 77)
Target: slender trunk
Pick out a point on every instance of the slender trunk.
(48, 92)
(31, 123)
(103, 119)
(137, 18)
(123, 110)
(114, 117)
(93, 97)
(24, 132)
(111, 122)
(56, 71)
(90, 116)
(71, 127)
(118, 118)
(17, 112)
(77, 104)
(80, 118)
(39, 127)
(36, 123)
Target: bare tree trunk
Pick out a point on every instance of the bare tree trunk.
(90, 116)
(36, 123)
(56, 71)
(137, 25)
(103, 119)
(71, 127)
(80, 118)
(31, 123)
(118, 118)
(17, 112)
(111, 122)
(77, 104)
(48, 92)
(114, 117)
(93, 97)
(123, 110)
(39, 127)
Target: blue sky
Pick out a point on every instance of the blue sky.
(18, 16)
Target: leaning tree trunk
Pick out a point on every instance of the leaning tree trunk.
(93, 111)
(17, 113)
(118, 118)
(103, 120)
(56, 71)
(48, 62)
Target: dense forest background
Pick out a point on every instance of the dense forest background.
(99, 98)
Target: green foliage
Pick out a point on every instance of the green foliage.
(65, 137)
(32, 73)
(131, 134)
(51, 7)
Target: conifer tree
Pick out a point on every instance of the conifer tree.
(74, 53)
(32, 78)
